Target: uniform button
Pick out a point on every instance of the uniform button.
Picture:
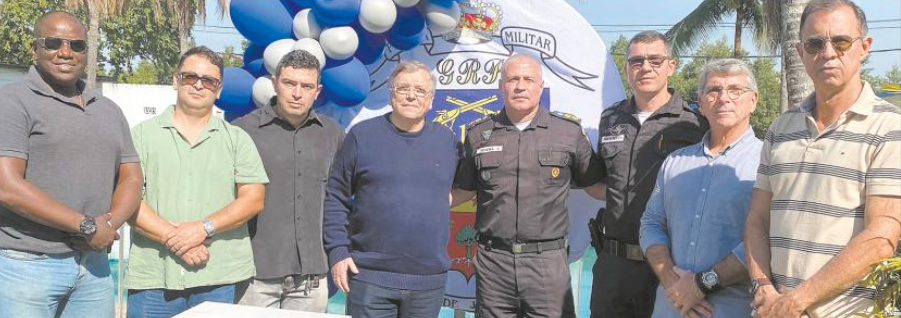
(703, 189)
(692, 243)
(697, 216)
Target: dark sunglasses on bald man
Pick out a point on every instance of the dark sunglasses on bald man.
(54, 44)
(841, 43)
(188, 78)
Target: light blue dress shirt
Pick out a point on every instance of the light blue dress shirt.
(698, 210)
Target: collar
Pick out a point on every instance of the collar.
(36, 83)
(862, 106)
(269, 115)
(747, 135)
(540, 120)
(165, 120)
(673, 106)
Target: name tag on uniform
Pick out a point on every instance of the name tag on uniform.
(617, 138)
(489, 149)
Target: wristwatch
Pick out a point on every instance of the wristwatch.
(87, 227)
(757, 283)
(708, 281)
(209, 228)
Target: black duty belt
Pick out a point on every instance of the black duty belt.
(630, 252)
(494, 243)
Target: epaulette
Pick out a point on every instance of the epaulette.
(476, 122)
(567, 116)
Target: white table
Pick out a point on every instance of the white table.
(220, 310)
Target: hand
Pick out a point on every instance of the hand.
(703, 309)
(684, 294)
(765, 295)
(197, 256)
(186, 236)
(339, 273)
(786, 305)
(105, 234)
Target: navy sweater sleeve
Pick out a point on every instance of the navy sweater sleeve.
(338, 205)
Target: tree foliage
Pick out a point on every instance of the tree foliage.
(17, 27)
(140, 34)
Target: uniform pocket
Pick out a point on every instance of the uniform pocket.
(487, 164)
(554, 167)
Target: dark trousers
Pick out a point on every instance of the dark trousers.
(366, 300)
(622, 288)
(523, 285)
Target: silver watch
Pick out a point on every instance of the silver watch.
(209, 228)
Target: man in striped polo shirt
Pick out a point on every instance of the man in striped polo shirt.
(825, 208)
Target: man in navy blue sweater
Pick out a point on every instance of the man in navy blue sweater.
(387, 206)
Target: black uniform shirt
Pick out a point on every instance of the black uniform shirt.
(522, 178)
(631, 154)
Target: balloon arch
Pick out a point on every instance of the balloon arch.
(345, 35)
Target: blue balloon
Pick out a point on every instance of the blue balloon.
(237, 91)
(262, 21)
(444, 3)
(406, 42)
(346, 83)
(253, 52)
(320, 101)
(371, 46)
(295, 6)
(330, 13)
(256, 68)
(409, 22)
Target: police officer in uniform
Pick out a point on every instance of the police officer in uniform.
(521, 163)
(635, 136)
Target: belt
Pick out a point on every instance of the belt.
(630, 252)
(496, 243)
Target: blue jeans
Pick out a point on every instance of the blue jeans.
(74, 284)
(366, 300)
(165, 303)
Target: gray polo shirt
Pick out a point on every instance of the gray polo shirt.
(287, 235)
(73, 155)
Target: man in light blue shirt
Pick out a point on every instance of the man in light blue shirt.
(691, 230)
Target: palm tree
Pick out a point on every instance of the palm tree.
(751, 14)
(96, 10)
(184, 13)
(796, 84)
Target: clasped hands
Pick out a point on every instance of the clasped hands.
(188, 241)
(686, 297)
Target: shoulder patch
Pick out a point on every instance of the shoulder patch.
(477, 122)
(567, 116)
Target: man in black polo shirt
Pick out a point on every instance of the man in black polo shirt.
(297, 147)
(69, 177)
(635, 136)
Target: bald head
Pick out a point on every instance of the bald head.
(56, 19)
(519, 59)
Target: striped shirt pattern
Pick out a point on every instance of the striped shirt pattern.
(819, 183)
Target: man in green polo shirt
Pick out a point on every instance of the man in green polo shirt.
(204, 181)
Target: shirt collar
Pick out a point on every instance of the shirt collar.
(37, 84)
(165, 120)
(747, 135)
(269, 115)
(862, 106)
(672, 106)
(540, 119)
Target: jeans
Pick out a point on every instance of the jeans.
(294, 292)
(366, 300)
(74, 284)
(165, 303)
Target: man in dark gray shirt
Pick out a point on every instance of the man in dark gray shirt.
(297, 147)
(69, 177)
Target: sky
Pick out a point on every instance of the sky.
(627, 17)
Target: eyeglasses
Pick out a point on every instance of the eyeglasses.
(733, 93)
(841, 43)
(655, 60)
(54, 44)
(187, 78)
(405, 90)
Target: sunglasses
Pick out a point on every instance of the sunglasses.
(187, 78)
(841, 43)
(655, 60)
(54, 44)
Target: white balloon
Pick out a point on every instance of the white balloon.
(441, 19)
(305, 25)
(339, 43)
(377, 16)
(406, 3)
(263, 91)
(313, 47)
(274, 53)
